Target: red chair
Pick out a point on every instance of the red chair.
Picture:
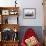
(29, 33)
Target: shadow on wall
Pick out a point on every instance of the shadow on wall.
(37, 29)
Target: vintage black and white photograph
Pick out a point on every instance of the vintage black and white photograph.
(29, 13)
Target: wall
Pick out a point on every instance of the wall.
(27, 4)
(7, 3)
(39, 13)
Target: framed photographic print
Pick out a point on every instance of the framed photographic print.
(12, 20)
(5, 19)
(12, 12)
(29, 13)
(5, 12)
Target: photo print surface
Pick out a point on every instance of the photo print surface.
(29, 13)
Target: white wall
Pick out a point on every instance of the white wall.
(27, 4)
(39, 13)
(6, 3)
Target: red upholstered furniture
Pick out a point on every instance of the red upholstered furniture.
(29, 33)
